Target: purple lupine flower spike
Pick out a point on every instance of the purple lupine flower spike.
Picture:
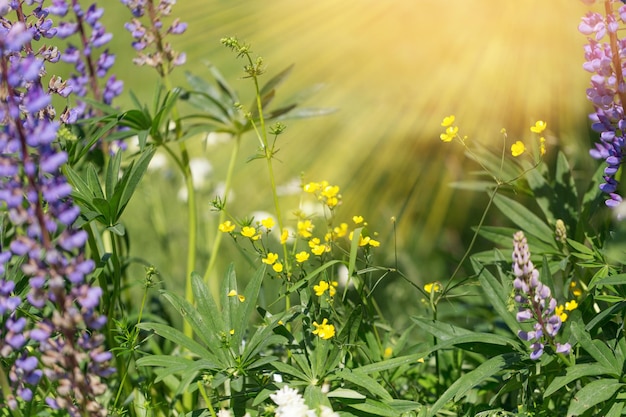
(535, 302)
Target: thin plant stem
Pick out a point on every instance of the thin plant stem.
(214, 283)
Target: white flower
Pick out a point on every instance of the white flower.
(287, 396)
(327, 412)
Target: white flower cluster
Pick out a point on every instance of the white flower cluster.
(291, 404)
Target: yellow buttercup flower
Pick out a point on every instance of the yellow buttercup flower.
(341, 230)
(388, 352)
(373, 243)
(226, 227)
(357, 219)
(432, 286)
(278, 267)
(539, 126)
(332, 290)
(518, 148)
(320, 249)
(571, 305)
(268, 223)
(559, 311)
(250, 232)
(311, 187)
(321, 288)
(284, 236)
(270, 258)
(302, 257)
(542, 146)
(324, 331)
(314, 242)
(305, 228)
(447, 121)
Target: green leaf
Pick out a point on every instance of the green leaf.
(290, 370)
(572, 374)
(600, 352)
(619, 279)
(104, 209)
(471, 379)
(592, 394)
(362, 380)
(497, 295)
(131, 179)
(375, 408)
(346, 393)
(177, 337)
(525, 219)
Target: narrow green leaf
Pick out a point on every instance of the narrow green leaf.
(112, 174)
(603, 356)
(104, 209)
(485, 370)
(346, 393)
(390, 363)
(177, 337)
(244, 310)
(290, 370)
(206, 306)
(619, 279)
(375, 408)
(498, 296)
(592, 394)
(525, 219)
(573, 373)
(362, 380)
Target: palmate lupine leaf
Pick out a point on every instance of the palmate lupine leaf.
(525, 219)
(596, 348)
(361, 379)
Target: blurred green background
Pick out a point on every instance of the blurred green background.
(393, 69)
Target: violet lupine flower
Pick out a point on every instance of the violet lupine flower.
(535, 302)
(88, 63)
(604, 59)
(64, 345)
(164, 58)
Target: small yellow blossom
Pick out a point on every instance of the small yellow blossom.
(374, 243)
(364, 240)
(318, 249)
(302, 257)
(321, 288)
(311, 187)
(503, 131)
(324, 330)
(539, 126)
(518, 148)
(571, 305)
(233, 293)
(226, 227)
(268, 223)
(542, 146)
(432, 286)
(388, 352)
(357, 219)
(447, 121)
(270, 259)
(314, 242)
(421, 360)
(450, 133)
(575, 291)
(232, 331)
(559, 311)
(341, 230)
(278, 267)
(250, 232)
(305, 228)
(284, 236)
(332, 290)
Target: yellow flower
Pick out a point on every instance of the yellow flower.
(302, 257)
(270, 259)
(374, 243)
(305, 228)
(232, 331)
(233, 293)
(364, 240)
(226, 227)
(539, 126)
(314, 242)
(571, 305)
(284, 236)
(388, 352)
(321, 288)
(542, 146)
(449, 134)
(268, 223)
(518, 148)
(357, 219)
(447, 121)
(278, 267)
(311, 187)
(250, 232)
(575, 291)
(318, 249)
(341, 230)
(324, 330)
(332, 290)
(432, 286)
(559, 312)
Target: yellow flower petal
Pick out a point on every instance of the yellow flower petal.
(539, 126)
(447, 121)
(518, 148)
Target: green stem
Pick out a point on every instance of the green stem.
(214, 283)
